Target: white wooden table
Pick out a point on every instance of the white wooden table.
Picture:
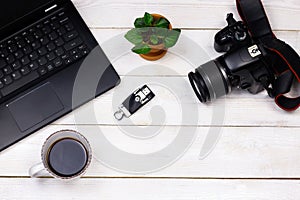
(257, 156)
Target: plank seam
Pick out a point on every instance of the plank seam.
(166, 178)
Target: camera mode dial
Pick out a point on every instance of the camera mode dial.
(231, 37)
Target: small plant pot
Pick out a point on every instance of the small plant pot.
(157, 51)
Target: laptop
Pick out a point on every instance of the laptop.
(43, 44)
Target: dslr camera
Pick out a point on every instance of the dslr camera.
(244, 65)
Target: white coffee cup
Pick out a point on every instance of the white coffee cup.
(65, 155)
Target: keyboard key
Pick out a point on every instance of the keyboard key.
(7, 70)
(50, 67)
(46, 22)
(64, 57)
(10, 59)
(7, 80)
(76, 56)
(59, 51)
(19, 54)
(25, 60)
(24, 34)
(82, 47)
(69, 46)
(3, 53)
(36, 45)
(85, 52)
(2, 63)
(68, 61)
(24, 70)
(69, 26)
(46, 29)
(29, 39)
(21, 43)
(54, 18)
(70, 36)
(64, 20)
(61, 14)
(42, 61)
(16, 75)
(38, 34)
(17, 38)
(19, 83)
(51, 46)
(53, 36)
(55, 25)
(1, 74)
(59, 42)
(32, 30)
(33, 55)
(42, 51)
(1, 84)
(39, 26)
(57, 62)
(51, 56)
(42, 71)
(33, 66)
(16, 65)
(73, 52)
(27, 49)
(61, 31)
(44, 40)
(12, 48)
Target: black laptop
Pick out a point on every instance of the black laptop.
(43, 44)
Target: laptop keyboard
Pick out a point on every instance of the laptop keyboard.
(39, 51)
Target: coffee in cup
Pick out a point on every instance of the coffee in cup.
(65, 154)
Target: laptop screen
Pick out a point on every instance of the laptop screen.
(12, 10)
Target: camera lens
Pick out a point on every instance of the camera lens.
(210, 81)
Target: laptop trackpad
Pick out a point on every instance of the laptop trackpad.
(35, 107)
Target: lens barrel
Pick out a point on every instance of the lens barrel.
(210, 81)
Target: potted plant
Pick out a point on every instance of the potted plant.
(152, 36)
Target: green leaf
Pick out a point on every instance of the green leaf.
(161, 32)
(141, 49)
(139, 23)
(143, 30)
(154, 39)
(148, 19)
(134, 36)
(162, 23)
(172, 38)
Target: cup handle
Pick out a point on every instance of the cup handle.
(37, 170)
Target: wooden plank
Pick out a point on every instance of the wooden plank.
(136, 189)
(240, 153)
(188, 14)
(174, 94)
(193, 49)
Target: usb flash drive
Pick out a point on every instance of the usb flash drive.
(134, 102)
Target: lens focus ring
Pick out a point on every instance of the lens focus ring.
(213, 79)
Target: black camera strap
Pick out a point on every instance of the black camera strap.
(254, 16)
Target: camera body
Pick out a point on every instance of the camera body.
(244, 65)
